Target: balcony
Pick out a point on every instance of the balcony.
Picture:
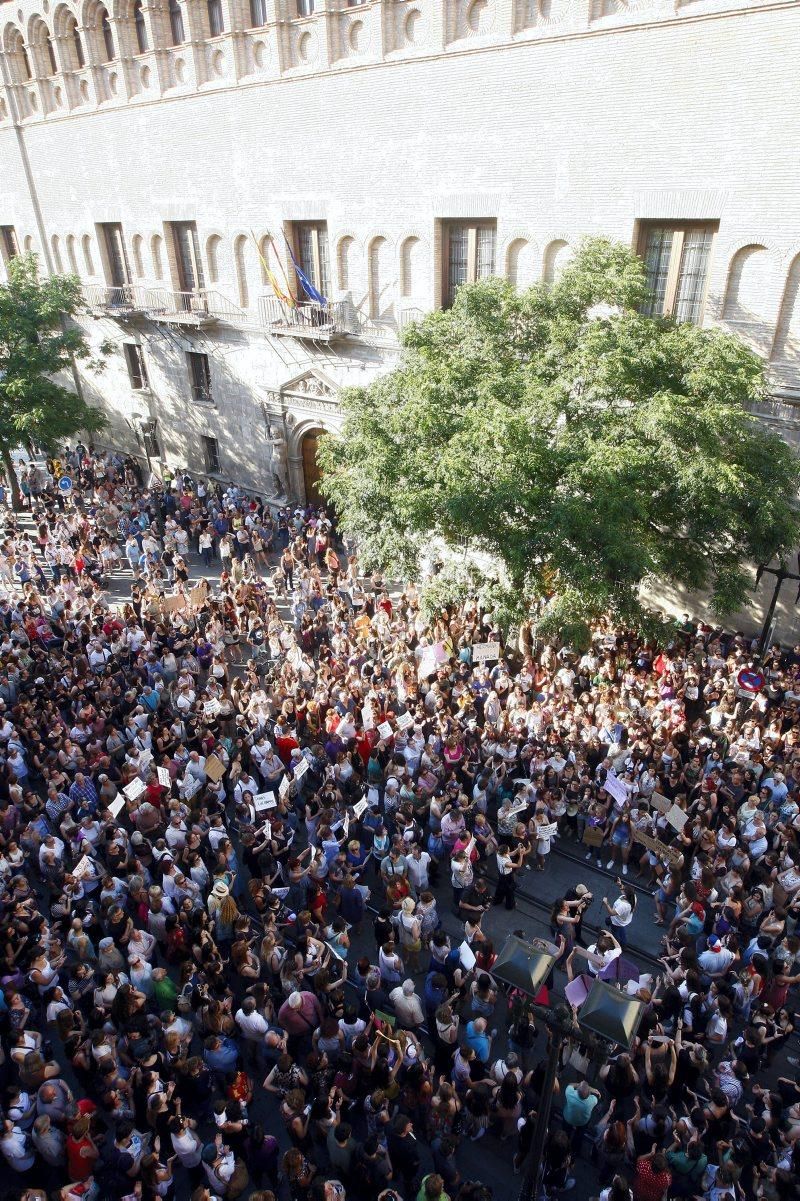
(195, 309)
(310, 321)
(122, 302)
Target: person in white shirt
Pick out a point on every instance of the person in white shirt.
(620, 914)
(407, 1005)
(418, 863)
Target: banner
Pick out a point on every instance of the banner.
(658, 847)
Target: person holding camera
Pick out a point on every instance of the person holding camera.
(620, 914)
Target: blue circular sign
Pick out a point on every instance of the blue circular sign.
(65, 484)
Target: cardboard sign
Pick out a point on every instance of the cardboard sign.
(660, 803)
(134, 790)
(300, 768)
(658, 847)
(482, 651)
(172, 604)
(677, 818)
(164, 778)
(547, 831)
(197, 595)
(616, 788)
(284, 786)
(116, 807)
(593, 836)
(404, 721)
(215, 768)
(385, 730)
(359, 808)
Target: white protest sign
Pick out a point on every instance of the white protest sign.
(300, 768)
(359, 808)
(385, 730)
(267, 830)
(518, 808)
(404, 721)
(116, 807)
(284, 786)
(145, 757)
(264, 800)
(616, 788)
(346, 825)
(367, 719)
(547, 831)
(134, 790)
(191, 785)
(211, 708)
(481, 651)
(83, 869)
(164, 778)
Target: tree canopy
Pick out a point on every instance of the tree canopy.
(583, 448)
(37, 344)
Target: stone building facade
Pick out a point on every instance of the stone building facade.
(170, 152)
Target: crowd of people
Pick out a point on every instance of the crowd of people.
(254, 835)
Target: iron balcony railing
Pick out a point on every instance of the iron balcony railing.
(307, 319)
(164, 304)
(124, 298)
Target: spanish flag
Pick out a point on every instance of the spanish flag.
(284, 296)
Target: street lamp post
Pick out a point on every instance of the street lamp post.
(780, 574)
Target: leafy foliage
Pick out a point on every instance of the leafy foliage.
(584, 448)
(37, 344)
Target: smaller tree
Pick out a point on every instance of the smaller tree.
(37, 344)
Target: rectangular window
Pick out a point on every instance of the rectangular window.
(186, 246)
(117, 272)
(8, 242)
(468, 253)
(676, 259)
(134, 361)
(216, 23)
(305, 8)
(211, 452)
(258, 13)
(199, 375)
(311, 251)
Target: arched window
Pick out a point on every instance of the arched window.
(258, 13)
(86, 243)
(73, 262)
(56, 245)
(747, 296)
(108, 36)
(141, 28)
(519, 265)
(410, 282)
(138, 261)
(212, 258)
(555, 258)
(176, 23)
(18, 55)
(787, 335)
(41, 46)
(156, 251)
(344, 257)
(216, 23)
(380, 282)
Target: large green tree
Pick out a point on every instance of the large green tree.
(582, 447)
(39, 343)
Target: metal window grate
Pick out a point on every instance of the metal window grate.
(692, 275)
(656, 262)
(457, 259)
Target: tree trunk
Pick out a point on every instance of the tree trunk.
(11, 477)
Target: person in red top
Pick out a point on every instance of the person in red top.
(285, 741)
(652, 1178)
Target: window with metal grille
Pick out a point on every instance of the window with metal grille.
(305, 8)
(311, 251)
(8, 242)
(468, 253)
(676, 259)
(216, 23)
(176, 23)
(186, 245)
(211, 452)
(134, 361)
(116, 257)
(199, 375)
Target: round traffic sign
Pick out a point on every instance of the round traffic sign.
(65, 484)
(751, 680)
